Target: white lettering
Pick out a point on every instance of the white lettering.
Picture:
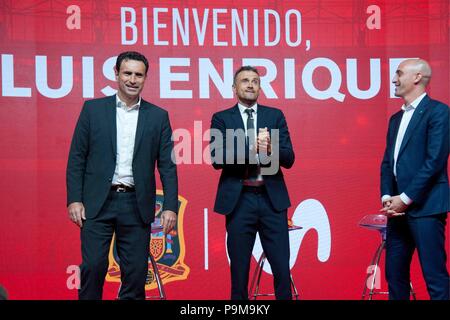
(200, 31)
(8, 88)
(217, 26)
(298, 29)
(108, 72)
(267, 14)
(157, 26)
(207, 71)
(178, 26)
(243, 29)
(289, 78)
(128, 24)
(375, 79)
(88, 77)
(336, 80)
(66, 77)
(167, 77)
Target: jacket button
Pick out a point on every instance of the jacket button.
(109, 179)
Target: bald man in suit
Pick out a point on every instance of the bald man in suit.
(414, 184)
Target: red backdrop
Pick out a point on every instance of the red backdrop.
(55, 56)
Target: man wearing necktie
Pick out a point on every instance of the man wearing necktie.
(414, 184)
(250, 143)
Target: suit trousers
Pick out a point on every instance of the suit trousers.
(427, 234)
(118, 215)
(254, 213)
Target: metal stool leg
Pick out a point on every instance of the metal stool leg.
(118, 291)
(256, 279)
(413, 294)
(294, 288)
(375, 261)
(159, 284)
(254, 288)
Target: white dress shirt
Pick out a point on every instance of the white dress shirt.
(126, 121)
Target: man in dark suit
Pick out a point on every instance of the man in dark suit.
(252, 192)
(414, 184)
(111, 185)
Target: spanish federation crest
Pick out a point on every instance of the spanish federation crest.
(168, 251)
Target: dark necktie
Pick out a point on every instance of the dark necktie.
(250, 127)
(253, 169)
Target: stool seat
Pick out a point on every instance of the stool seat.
(374, 221)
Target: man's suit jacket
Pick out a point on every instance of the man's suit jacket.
(422, 160)
(92, 158)
(230, 183)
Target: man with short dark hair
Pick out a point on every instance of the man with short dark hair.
(252, 193)
(414, 184)
(117, 143)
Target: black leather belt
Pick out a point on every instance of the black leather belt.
(122, 188)
(261, 189)
(253, 183)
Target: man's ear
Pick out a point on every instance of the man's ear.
(116, 72)
(418, 78)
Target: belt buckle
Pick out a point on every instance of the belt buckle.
(121, 189)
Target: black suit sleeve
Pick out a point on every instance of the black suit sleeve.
(437, 151)
(167, 166)
(217, 142)
(78, 153)
(227, 145)
(287, 156)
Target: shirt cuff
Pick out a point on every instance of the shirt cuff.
(406, 200)
(384, 198)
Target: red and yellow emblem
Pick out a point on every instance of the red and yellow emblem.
(167, 250)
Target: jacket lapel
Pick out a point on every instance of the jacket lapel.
(142, 120)
(237, 118)
(395, 125)
(261, 119)
(416, 118)
(112, 123)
